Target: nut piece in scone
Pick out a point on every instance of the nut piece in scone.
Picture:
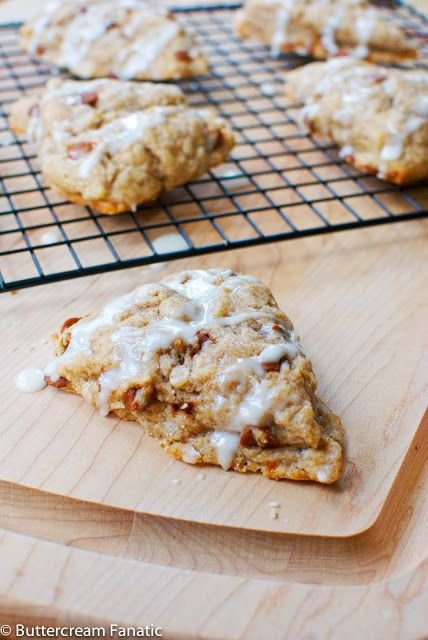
(211, 367)
(377, 116)
(114, 144)
(125, 39)
(326, 28)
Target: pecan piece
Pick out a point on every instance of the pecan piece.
(219, 140)
(378, 79)
(257, 437)
(129, 400)
(187, 407)
(183, 56)
(89, 97)
(273, 366)
(68, 323)
(201, 337)
(34, 110)
(79, 149)
(40, 50)
(59, 384)
(247, 438)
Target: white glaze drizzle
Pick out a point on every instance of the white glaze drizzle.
(239, 370)
(323, 473)
(83, 331)
(226, 445)
(169, 243)
(268, 89)
(274, 507)
(399, 132)
(49, 237)
(83, 30)
(364, 27)
(282, 19)
(346, 151)
(421, 106)
(120, 133)
(145, 50)
(328, 36)
(135, 349)
(30, 380)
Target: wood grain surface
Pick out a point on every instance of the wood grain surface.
(354, 298)
(80, 565)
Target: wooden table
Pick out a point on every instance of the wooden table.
(98, 525)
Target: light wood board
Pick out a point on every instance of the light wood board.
(87, 565)
(355, 300)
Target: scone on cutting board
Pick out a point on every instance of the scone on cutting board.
(126, 39)
(113, 144)
(211, 367)
(377, 116)
(326, 28)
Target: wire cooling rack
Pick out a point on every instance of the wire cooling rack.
(277, 184)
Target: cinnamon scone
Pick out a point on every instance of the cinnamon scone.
(211, 367)
(377, 116)
(325, 28)
(114, 144)
(126, 39)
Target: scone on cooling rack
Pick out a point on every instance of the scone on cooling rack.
(126, 39)
(211, 367)
(326, 28)
(113, 144)
(377, 116)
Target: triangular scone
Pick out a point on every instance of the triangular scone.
(207, 362)
(378, 116)
(113, 144)
(125, 39)
(325, 28)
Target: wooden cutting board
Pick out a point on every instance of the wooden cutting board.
(355, 300)
(70, 478)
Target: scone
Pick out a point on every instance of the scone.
(126, 39)
(113, 144)
(210, 366)
(325, 28)
(378, 116)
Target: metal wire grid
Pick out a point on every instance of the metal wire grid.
(278, 183)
